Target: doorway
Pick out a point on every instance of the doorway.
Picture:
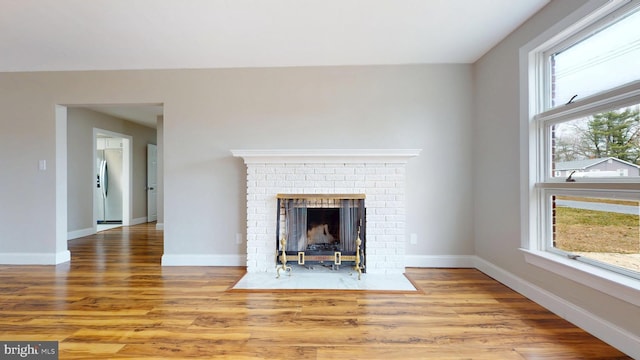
(112, 194)
(81, 197)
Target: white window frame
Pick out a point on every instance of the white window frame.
(537, 183)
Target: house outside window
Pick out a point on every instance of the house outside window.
(583, 126)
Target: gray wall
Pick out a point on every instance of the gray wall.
(497, 187)
(209, 112)
(81, 178)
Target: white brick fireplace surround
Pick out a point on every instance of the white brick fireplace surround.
(379, 174)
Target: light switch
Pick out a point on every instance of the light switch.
(42, 165)
(413, 239)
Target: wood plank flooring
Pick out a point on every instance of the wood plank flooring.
(115, 301)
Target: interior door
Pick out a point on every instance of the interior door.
(152, 182)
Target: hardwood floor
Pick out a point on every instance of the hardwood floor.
(114, 300)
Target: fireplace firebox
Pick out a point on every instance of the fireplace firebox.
(326, 229)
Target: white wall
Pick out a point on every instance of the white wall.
(208, 112)
(497, 184)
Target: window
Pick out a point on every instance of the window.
(582, 64)
(602, 231)
(584, 133)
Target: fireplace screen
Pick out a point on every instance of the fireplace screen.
(327, 229)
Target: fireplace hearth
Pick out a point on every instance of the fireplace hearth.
(324, 229)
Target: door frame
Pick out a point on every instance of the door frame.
(154, 191)
(127, 170)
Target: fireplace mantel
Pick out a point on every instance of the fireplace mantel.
(308, 156)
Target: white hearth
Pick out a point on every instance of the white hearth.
(379, 174)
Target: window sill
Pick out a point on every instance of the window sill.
(610, 283)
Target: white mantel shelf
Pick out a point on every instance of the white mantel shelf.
(305, 156)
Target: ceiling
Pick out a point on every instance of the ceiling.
(143, 114)
(65, 35)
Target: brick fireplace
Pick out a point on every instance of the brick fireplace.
(377, 174)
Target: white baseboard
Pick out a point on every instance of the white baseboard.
(203, 260)
(440, 261)
(90, 231)
(80, 233)
(159, 226)
(138, 221)
(35, 258)
(597, 326)
(63, 256)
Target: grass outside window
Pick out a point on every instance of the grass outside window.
(604, 235)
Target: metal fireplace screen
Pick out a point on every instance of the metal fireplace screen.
(321, 228)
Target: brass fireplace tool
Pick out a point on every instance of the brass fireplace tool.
(283, 257)
(358, 267)
(337, 258)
